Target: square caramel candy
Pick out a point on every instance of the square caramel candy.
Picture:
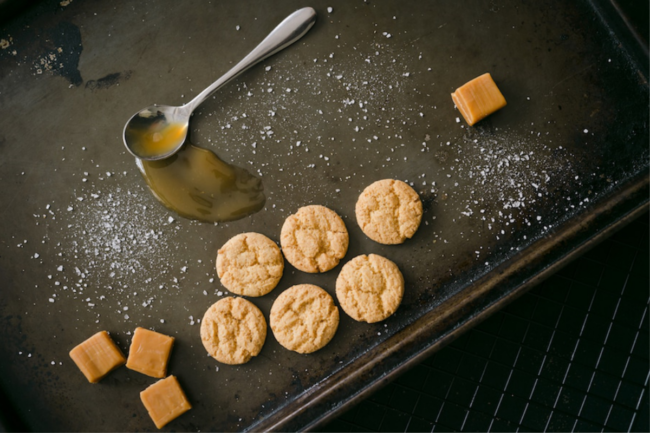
(149, 352)
(97, 356)
(478, 99)
(165, 401)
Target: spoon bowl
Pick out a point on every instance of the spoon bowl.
(156, 132)
(159, 131)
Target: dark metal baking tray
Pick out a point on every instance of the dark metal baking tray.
(366, 93)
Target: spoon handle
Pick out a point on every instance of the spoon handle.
(286, 33)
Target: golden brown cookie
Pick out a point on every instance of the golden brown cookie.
(304, 318)
(314, 239)
(389, 211)
(233, 330)
(250, 264)
(370, 288)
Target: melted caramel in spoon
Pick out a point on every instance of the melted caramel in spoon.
(196, 184)
(152, 136)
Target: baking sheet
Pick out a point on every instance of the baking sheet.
(362, 97)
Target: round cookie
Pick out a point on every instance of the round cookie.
(250, 264)
(304, 318)
(370, 288)
(233, 330)
(389, 211)
(314, 239)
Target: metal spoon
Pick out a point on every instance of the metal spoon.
(158, 131)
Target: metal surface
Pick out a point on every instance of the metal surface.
(364, 96)
(286, 33)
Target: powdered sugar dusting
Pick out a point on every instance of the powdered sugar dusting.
(508, 176)
(111, 246)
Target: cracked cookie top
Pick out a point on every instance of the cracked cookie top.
(233, 330)
(304, 318)
(250, 264)
(389, 211)
(370, 288)
(314, 239)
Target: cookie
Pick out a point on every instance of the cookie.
(233, 330)
(389, 211)
(250, 264)
(370, 288)
(304, 318)
(314, 239)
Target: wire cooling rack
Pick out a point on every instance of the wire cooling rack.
(571, 355)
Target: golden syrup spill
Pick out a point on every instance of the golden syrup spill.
(158, 138)
(196, 184)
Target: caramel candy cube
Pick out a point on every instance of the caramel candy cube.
(478, 99)
(149, 352)
(97, 356)
(165, 401)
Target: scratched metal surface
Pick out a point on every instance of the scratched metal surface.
(364, 96)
